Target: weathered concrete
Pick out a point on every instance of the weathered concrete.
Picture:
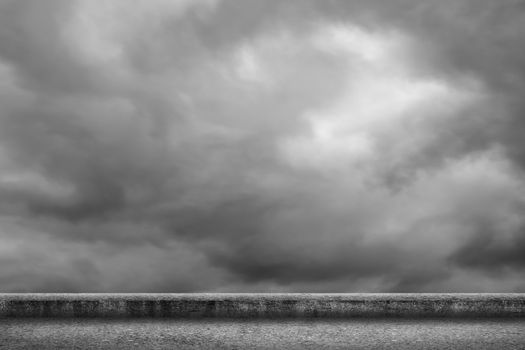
(260, 334)
(262, 305)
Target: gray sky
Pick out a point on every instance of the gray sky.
(262, 145)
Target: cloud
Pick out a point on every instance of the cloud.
(261, 146)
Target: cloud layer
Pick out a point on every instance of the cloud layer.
(227, 145)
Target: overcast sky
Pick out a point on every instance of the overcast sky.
(262, 145)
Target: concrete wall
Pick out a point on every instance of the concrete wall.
(262, 305)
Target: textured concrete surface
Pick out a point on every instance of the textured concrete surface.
(47, 334)
(262, 305)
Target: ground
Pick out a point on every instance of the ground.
(261, 334)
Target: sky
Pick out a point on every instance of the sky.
(262, 146)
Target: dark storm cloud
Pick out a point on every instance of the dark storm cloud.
(486, 251)
(478, 38)
(261, 145)
(31, 33)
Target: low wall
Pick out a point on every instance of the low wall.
(262, 305)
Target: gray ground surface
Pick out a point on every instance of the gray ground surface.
(261, 334)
